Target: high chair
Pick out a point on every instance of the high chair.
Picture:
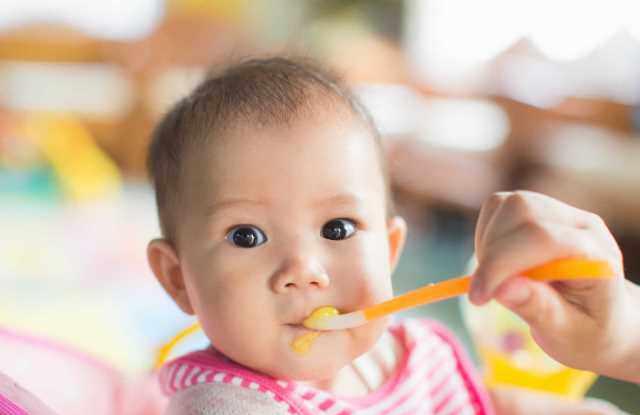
(71, 382)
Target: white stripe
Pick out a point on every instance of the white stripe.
(168, 381)
(236, 380)
(467, 410)
(455, 386)
(335, 409)
(391, 400)
(270, 394)
(431, 354)
(416, 377)
(388, 358)
(369, 371)
(300, 389)
(219, 377)
(424, 352)
(192, 375)
(416, 331)
(419, 400)
(203, 376)
(282, 383)
(308, 405)
(446, 390)
(178, 377)
(454, 403)
(254, 385)
(447, 370)
(318, 399)
(283, 404)
(438, 357)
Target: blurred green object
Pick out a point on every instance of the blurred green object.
(36, 184)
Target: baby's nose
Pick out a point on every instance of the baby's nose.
(300, 275)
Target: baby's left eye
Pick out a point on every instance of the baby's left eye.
(338, 229)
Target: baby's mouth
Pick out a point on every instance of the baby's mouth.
(297, 326)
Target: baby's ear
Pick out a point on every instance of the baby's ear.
(397, 234)
(165, 265)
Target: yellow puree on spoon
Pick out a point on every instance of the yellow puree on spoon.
(302, 344)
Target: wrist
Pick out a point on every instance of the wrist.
(629, 366)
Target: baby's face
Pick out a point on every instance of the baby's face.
(283, 220)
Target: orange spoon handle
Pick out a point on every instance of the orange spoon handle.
(424, 295)
(561, 269)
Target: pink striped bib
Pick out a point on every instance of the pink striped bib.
(434, 377)
(8, 407)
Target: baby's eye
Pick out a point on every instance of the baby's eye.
(338, 229)
(246, 236)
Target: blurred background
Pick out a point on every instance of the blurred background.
(471, 97)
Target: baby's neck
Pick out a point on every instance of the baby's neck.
(368, 372)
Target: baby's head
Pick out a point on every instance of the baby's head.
(273, 201)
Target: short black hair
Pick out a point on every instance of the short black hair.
(266, 91)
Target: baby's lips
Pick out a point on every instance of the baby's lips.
(299, 317)
(319, 314)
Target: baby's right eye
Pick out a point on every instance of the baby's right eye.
(246, 236)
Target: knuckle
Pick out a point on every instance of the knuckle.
(595, 220)
(495, 200)
(538, 232)
(521, 204)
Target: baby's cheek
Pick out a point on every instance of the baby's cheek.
(371, 282)
(366, 336)
(232, 307)
(374, 269)
(361, 292)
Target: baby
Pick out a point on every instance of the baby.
(273, 201)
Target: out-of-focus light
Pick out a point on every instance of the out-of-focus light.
(571, 29)
(464, 124)
(533, 81)
(590, 147)
(172, 85)
(113, 19)
(461, 124)
(464, 31)
(395, 109)
(90, 89)
(448, 38)
(449, 42)
(632, 13)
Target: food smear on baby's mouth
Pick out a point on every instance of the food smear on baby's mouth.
(302, 344)
(319, 314)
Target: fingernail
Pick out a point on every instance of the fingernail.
(514, 292)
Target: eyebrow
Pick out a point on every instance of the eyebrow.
(227, 203)
(339, 199)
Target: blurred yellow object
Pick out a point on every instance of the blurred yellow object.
(208, 8)
(81, 167)
(511, 357)
(165, 351)
(502, 370)
(507, 351)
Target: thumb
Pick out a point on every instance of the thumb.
(535, 302)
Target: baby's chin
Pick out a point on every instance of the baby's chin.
(309, 370)
(328, 354)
